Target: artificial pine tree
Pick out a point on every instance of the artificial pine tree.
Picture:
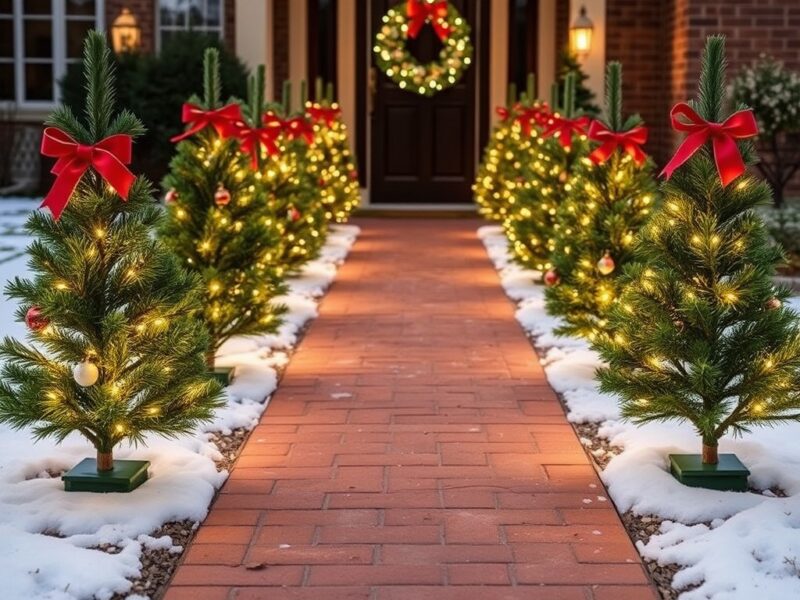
(291, 181)
(612, 196)
(338, 176)
(530, 226)
(701, 333)
(220, 227)
(114, 351)
(584, 97)
(512, 147)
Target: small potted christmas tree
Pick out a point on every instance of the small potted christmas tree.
(338, 176)
(530, 225)
(114, 351)
(612, 195)
(701, 333)
(218, 221)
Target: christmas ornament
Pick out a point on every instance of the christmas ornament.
(606, 265)
(551, 278)
(403, 22)
(222, 197)
(171, 196)
(108, 157)
(631, 142)
(35, 320)
(222, 120)
(679, 325)
(739, 126)
(86, 373)
(773, 304)
(294, 214)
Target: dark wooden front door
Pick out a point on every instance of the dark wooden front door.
(423, 149)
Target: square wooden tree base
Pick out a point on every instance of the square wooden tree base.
(223, 374)
(729, 474)
(126, 476)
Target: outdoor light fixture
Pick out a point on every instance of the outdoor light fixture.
(126, 35)
(580, 33)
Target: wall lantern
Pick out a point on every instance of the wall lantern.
(126, 35)
(580, 34)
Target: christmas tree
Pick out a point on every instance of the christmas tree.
(290, 177)
(700, 334)
(530, 227)
(114, 351)
(338, 177)
(512, 147)
(218, 221)
(612, 195)
(584, 97)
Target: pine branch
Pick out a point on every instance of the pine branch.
(212, 87)
(100, 92)
(614, 96)
(711, 95)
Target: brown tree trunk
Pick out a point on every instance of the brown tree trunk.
(710, 456)
(105, 461)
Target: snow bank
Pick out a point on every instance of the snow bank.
(731, 546)
(183, 474)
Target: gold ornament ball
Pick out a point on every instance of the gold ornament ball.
(86, 373)
(606, 265)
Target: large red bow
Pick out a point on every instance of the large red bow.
(108, 157)
(526, 116)
(739, 126)
(222, 120)
(420, 12)
(323, 114)
(631, 142)
(565, 128)
(252, 139)
(298, 127)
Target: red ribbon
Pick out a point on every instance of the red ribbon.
(108, 157)
(631, 142)
(222, 120)
(252, 139)
(298, 127)
(323, 114)
(532, 114)
(739, 126)
(565, 128)
(420, 12)
(504, 113)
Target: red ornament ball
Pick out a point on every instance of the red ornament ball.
(222, 197)
(353, 175)
(171, 196)
(606, 265)
(35, 320)
(322, 182)
(294, 214)
(551, 278)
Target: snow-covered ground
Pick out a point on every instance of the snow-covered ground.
(48, 535)
(729, 545)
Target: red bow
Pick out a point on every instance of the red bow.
(531, 114)
(320, 114)
(420, 12)
(631, 142)
(108, 157)
(565, 128)
(222, 119)
(298, 127)
(504, 113)
(739, 126)
(252, 139)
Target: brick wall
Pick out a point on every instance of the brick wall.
(280, 41)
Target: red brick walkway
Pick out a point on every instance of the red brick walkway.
(414, 451)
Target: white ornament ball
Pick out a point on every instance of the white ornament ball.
(86, 373)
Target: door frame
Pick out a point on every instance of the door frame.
(481, 38)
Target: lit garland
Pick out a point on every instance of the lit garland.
(394, 59)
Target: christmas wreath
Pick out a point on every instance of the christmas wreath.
(405, 21)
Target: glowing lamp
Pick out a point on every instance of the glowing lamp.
(580, 34)
(126, 35)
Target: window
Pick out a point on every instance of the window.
(38, 39)
(322, 24)
(195, 15)
(522, 40)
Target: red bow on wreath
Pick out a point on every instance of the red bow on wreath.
(108, 157)
(739, 126)
(420, 12)
(323, 114)
(631, 142)
(222, 120)
(565, 128)
(298, 127)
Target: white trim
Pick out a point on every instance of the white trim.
(58, 18)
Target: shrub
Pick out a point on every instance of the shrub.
(154, 87)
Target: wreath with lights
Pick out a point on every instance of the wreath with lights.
(404, 21)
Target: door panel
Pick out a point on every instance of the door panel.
(423, 149)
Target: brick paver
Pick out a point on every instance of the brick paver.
(413, 451)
